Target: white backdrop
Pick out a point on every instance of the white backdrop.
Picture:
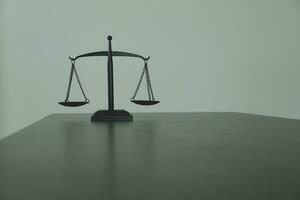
(206, 55)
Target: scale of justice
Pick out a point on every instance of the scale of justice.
(111, 114)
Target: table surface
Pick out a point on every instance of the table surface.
(158, 156)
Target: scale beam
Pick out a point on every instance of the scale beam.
(114, 53)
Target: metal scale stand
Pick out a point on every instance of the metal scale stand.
(110, 114)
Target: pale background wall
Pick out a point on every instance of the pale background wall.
(206, 55)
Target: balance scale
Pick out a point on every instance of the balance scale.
(110, 114)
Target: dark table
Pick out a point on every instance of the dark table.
(163, 156)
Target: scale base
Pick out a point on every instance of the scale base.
(115, 115)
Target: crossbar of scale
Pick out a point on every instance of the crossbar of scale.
(114, 53)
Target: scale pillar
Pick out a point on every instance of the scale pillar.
(111, 114)
(110, 76)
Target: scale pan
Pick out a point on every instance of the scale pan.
(144, 102)
(73, 103)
